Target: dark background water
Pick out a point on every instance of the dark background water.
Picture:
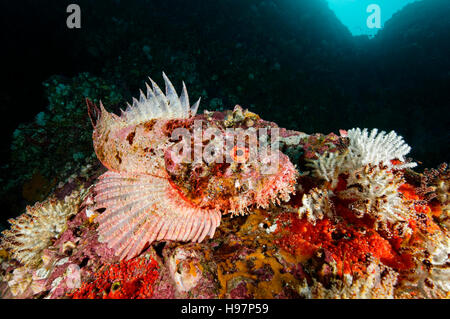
(291, 61)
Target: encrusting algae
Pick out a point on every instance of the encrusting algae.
(311, 216)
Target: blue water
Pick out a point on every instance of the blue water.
(353, 13)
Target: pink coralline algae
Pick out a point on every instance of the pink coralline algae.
(317, 144)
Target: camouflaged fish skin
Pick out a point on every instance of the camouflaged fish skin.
(148, 197)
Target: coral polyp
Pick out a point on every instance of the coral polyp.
(379, 284)
(371, 167)
(374, 189)
(362, 149)
(34, 230)
(376, 147)
(315, 205)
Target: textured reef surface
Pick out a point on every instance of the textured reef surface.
(337, 216)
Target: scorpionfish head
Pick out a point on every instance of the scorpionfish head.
(228, 169)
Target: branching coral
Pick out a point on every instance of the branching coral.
(328, 167)
(440, 263)
(375, 191)
(378, 284)
(374, 148)
(431, 277)
(431, 181)
(371, 168)
(435, 189)
(363, 148)
(316, 205)
(34, 230)
(368, 180)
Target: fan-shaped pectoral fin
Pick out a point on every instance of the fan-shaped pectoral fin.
(140, 209)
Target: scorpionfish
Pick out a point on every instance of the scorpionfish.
(158, 188)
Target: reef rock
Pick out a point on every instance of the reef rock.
(336, 217)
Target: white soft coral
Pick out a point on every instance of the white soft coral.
(33, 231)
(315, 205)
(363, 149)
(375, 191)
(374, 148)
(328, 167)
(431, 277)
(372, 176)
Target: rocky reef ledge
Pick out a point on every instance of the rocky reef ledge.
(362, 224)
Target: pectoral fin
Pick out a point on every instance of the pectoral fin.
(142, 208)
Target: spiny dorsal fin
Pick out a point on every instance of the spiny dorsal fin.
(155, 104)
(93, 111)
